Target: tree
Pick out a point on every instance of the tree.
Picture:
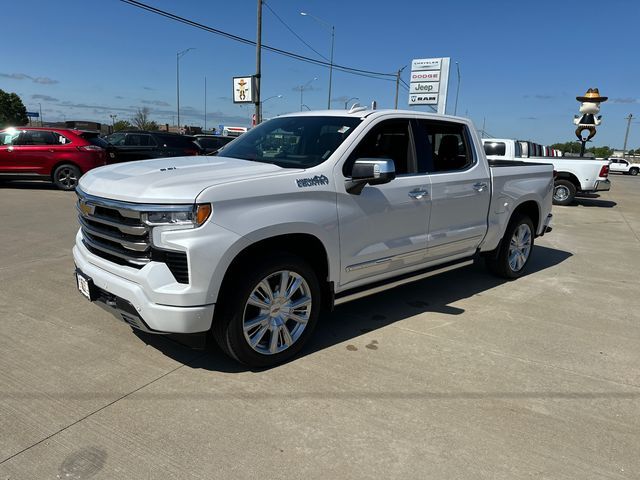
(141, 120)
(12, 110)
(122, 125)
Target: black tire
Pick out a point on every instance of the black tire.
(564, 192)
(66, 176)
(498, 260)
(633, 171)
(229, 318)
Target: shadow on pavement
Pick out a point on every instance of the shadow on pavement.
(593, 200)
(349, 321)
(27, 185)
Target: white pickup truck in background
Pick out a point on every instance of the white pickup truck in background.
(620, 165)
(573, 175)
(299, 214)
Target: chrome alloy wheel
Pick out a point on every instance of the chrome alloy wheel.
(277, 312)
(561, 193)
(67, 177)
(520, 247)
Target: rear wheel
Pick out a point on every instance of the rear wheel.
(66, 177)
(512, 256)
(563, 192)
(268, 311)
(633, 171)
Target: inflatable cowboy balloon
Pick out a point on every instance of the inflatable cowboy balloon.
(588, 121)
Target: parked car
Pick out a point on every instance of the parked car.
(143, 145)
(574, 176)
(212, 143)
(303, 212)
(620, 165)
(58, 155)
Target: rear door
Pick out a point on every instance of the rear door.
(460, 187)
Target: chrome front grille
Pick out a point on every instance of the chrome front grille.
(113, 231)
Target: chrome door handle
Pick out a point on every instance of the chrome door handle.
(479, 187)
(418, 194)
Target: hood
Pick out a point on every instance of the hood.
(170, 180)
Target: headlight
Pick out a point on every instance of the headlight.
(188, 216)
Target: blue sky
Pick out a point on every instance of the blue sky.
(522, 63)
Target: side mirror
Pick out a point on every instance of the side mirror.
(372, 171)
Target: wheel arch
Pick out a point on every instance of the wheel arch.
(306, 245)
(571, 177)
(59, 163)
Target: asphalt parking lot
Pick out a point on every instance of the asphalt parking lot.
(459, 376)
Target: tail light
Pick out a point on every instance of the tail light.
(91, 148)
(604, 171)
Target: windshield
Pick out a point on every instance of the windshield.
(292, 142)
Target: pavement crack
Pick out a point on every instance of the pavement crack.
(91, 414)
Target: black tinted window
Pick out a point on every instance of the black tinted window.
(495, 148)
(388, 139)
(447, 148)
(139, 140)
(94, 139)
(37, 137)
(176, 141)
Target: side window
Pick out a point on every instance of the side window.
(9, 137)
(116, 139)
(139, 140)
(60, 139)
(447, 147)
(389, 139)
(37, 137)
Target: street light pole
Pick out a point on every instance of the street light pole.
(455, 109)
(40, 105)
(273, 96)
(205, 102)
(302, 87)
(332, 29)
(179, 55)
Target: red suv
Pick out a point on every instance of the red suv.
(59, 155)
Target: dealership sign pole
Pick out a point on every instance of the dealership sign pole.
(429, 82)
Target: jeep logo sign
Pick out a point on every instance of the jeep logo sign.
(424, 87)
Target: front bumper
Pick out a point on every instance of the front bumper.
(128, 302)
(603, 185)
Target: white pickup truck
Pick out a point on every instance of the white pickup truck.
(304, 212)
(620, 165)
(573, 175)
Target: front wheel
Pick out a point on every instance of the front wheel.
(269, 311)
(514, 251)
(633, 171)
(66, 177)
(563, 192)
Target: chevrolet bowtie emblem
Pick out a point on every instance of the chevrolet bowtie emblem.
(86, 208)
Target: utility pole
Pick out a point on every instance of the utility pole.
(626, 135)
(40, 105)
(205, 103)
(398, 84)
(333, 32)
(178, 56)
(256, 93)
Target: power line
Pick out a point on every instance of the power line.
(291, 30)
(186, 21)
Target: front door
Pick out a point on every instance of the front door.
(383, 230)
